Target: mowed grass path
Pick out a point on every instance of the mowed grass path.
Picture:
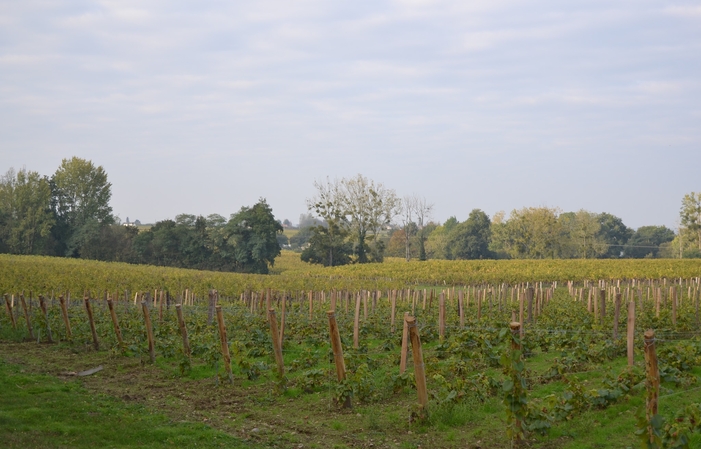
(40, 411)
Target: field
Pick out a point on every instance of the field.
(578, 390)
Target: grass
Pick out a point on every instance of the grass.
(44, 412)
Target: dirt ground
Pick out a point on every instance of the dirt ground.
(253, 413)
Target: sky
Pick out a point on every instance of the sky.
(204, 107)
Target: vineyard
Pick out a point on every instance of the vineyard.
(412, 355)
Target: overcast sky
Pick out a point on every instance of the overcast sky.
(204, 106)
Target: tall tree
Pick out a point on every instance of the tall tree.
(614, 233)
(470, 239)
(252, 233)
(361, 204)
(26, 218)
(581, 235)
(646, 241)
(533, 233)
(328, 246)
(691, 217)
(81, 202)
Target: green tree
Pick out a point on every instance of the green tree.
(252, 234)
(691, 217)
(26, 218)
(614, 233)
(532, 233)
(81, 203)
(646, 241)
(470, 239)
(359, 203)
(581, 235)
(328, 245)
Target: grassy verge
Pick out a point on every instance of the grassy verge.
(40, 411)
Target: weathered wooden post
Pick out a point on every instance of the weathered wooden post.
(419, 369)
(88, 309)
(356, 322)
(115, 323)
(653, 379)
(149, 331)
(277, 347)
(8, 306)
(224, 343)
(337, 349)
(630, 332)
(64, 313)
(405, 345)
(616, 315)
(42, 305)
(441, 316)
(183, 330)
(26, 317)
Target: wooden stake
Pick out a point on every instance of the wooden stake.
(461, 309)
(356, 323)
(224, 343)
(419, 369)
(616, 315)
(653, 379)
(42, 305)
(8, 306)
(115, 323)
(441, 316)
(282, 320)
(393, 311)
(277, 347)
(26, 317)
(183, 330)
(405, 345)
(88, 310)
(64, 314)
(338, 349)
(149, 331)
(630, 332)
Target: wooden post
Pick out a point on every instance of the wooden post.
(461, 309)
(149, 331)
(616, 315)
(365, 306)
(356, 322)
(393, 312)
(26, 317)
(277, 347)
(224, 343)
(529, 299)
(479, 305)
(183, 330)
(405, 345)
(441, 316)
(210, 309)
(516, 345)
(653, 379)
(311, 305)
(282, 319)
(630, 331)
(88, 310)
(115, 323)
(338, 349)
(42, 305)
(8, 305)
(520, 313)
(673, 297)
(419, 370)
(64, 313)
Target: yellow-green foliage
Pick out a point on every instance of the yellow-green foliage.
(45, 274)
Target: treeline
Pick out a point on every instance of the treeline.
(539, 233)
(68, 214)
